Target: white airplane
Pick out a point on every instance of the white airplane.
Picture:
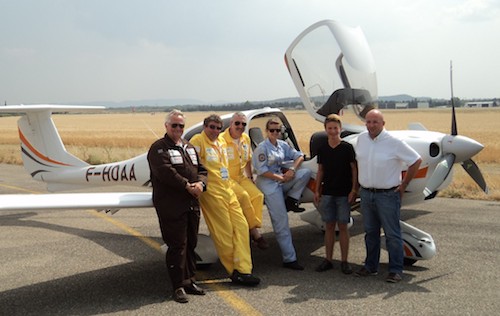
(332, 68)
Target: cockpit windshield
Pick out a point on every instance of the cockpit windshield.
(332, 68)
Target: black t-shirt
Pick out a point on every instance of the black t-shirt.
(337, 175)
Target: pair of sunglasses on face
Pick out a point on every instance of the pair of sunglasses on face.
(215, 127)
(275, 130)
(175, 125)
(238, 123)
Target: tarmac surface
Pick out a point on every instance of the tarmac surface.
(83, 263)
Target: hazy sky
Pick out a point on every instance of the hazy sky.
(231, 50)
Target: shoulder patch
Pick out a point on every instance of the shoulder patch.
(262, 157)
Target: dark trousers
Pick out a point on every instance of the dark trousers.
(179, 229)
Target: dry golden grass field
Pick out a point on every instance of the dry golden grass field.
(105, 137)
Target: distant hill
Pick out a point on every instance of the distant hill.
(147, 102)
(182, 102)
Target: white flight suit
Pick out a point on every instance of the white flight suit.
(239, 153)
(221, 210)
(268, 157)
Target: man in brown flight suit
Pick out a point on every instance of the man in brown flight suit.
(178, 179)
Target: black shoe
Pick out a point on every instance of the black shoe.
(194, 289)
(345, 267)
(244, 279)
(294, 265)
(363, 272)
(180, 296)
(324, 266)
(292, 205)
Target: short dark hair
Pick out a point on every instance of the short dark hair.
(212, 118)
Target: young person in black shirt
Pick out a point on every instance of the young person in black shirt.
(336, 189)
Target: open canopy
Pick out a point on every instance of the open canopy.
(332, 68)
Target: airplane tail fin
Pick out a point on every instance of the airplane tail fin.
(42, 148)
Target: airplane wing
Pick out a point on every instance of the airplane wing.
(98, 201)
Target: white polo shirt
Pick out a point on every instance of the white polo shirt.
(381, 160)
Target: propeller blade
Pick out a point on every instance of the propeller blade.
(473, 170)
(440, 174)
(454, 130)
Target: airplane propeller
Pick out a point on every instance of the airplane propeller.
(440, 174)
(473, 170)
(456, 148)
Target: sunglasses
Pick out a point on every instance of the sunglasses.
(275, 130)
(215, 127)
(175, 125)
(237, 123)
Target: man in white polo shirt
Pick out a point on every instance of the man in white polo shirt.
(381, 160)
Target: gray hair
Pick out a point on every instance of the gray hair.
(173, 113)
(238, 114)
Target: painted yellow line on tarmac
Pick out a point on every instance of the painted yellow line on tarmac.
(231, 298)
(18, 188)
(148, 241)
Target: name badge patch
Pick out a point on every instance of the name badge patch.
(175, 157)
(192, 155)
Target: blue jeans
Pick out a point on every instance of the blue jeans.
(382, 210)
(335, 209)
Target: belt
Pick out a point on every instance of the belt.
(375, 190)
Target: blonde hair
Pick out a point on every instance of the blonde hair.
(272, 121)
(333, 118)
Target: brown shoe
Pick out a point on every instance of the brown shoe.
(363, 272)
(393, 278)
(180, 295)
(261, 243)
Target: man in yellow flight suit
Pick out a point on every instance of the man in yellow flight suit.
(219, 204)
(239, 154)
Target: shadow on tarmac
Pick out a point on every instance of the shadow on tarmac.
(144, 281)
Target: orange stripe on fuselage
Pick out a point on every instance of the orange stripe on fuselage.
(25, 141)
(311, 185)
(421, 173)
(407, 250)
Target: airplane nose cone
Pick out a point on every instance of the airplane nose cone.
(462, 147)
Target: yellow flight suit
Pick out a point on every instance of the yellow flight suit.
(250, 197)
(221, 210)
